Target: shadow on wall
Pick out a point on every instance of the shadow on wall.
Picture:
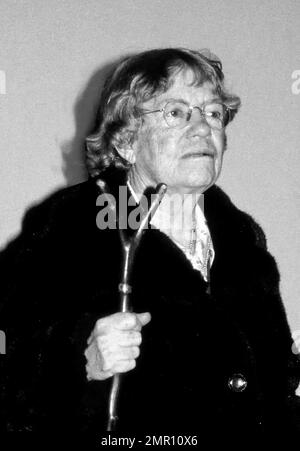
(85, 111)
(73, 151)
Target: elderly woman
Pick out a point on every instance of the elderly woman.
(206, 346)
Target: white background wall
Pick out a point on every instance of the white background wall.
(51, 52)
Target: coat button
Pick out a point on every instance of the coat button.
(237, 383)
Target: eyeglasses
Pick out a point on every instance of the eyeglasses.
(178, 114)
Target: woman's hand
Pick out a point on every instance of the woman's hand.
(114, 344)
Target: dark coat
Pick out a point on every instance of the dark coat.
(61, 274)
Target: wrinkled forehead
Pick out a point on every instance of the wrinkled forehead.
(184, 85)
(188, 77)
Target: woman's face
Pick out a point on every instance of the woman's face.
(188, 159)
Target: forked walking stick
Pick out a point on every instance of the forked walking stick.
(129, 247)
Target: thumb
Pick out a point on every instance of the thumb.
(144, 318)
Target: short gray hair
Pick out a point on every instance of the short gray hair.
(135, 80)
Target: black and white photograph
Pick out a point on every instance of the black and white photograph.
(149, 221)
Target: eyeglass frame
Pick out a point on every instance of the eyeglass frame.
(189, 114)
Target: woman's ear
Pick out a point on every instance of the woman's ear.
(126, 153)
(124, 146)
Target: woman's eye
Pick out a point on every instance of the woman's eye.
(215, 114)
(175, 113)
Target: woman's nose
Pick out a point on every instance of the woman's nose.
(199, 122)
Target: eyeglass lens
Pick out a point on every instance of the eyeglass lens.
(177, 114)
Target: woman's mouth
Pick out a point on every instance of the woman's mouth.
(198, 154)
